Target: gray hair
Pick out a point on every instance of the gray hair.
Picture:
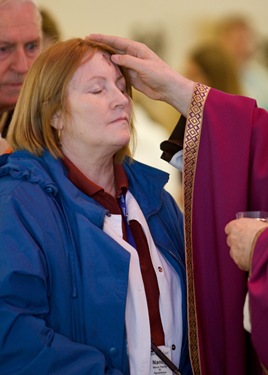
(3, 2)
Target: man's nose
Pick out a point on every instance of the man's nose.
(20, 61)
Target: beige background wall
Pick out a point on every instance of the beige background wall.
(180, 21)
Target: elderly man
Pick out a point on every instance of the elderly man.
(20, 43)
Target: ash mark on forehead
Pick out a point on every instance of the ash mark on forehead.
(107, 57)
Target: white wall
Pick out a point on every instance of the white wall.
(180, 20)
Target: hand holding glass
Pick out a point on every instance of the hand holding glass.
(258, 215)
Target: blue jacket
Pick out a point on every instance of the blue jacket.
(63, 281)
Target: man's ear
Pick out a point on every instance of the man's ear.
(56, 121)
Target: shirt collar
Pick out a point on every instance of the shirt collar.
(89, 187)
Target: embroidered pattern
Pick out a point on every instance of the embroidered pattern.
(191, 147)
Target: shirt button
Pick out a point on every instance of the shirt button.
(160, 269)
(49, 190)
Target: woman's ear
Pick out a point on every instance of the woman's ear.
(56, 121)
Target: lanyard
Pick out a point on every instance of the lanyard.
(165, 359)
(123, 205)
(130, 239)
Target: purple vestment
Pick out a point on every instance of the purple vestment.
(225, 171)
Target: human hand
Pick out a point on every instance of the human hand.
(149, 73)
(241, 234)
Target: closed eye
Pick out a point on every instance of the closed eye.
(96, 92)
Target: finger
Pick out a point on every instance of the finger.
(129, 62)
(107, 39)
(227, 229)
(229, 226)
(122, 45)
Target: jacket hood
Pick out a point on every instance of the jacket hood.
(50, 175)
(22, 165)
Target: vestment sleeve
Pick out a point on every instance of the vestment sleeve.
(258, 297)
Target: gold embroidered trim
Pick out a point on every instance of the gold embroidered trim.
(191, 147)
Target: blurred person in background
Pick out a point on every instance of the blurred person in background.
(210, 64)
(240, 39)
(263, 52)
(50, 28)
(20, 44)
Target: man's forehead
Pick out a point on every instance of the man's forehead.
(20, 34)
(19, 16)
(19, 29)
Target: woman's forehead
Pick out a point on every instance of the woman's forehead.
(97, 64)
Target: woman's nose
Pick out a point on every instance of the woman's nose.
(120, 98)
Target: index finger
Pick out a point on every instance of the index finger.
(120, 44)
(228, 227)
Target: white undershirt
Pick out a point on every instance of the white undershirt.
(177, 160)
(137, 318)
